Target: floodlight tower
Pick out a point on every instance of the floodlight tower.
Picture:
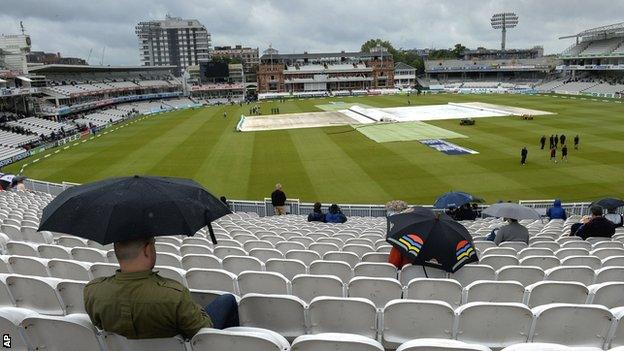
(503, 21)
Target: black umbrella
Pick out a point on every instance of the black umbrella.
(608, 203)
(431, 239)
(119, 209)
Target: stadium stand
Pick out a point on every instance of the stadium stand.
(274, 265)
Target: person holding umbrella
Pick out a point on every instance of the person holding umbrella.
(137, 302)
(511, 213)
(513, 231)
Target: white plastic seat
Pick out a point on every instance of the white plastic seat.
(10, 320)
(358, 249)
(343, 315)
(21, 248)
(348, 257)
(379, 290)
(169, 240)
(288, 268)
(567, 252)
(543, 262)
(262, 283)
(70, 333)
(410, 271)
(167, 247)
(177, 274)
(494, 325)
(116, 342)
(285, 246)
(54, 251)
(554, 246)
(607, 252)
(35, 293)
(546, 292)
(335, 342)
(71, 294)
(69, 269)
(302, 240)
(582, 244)
(305, 256)
(613, 261)
(617, 330)
(379, 257)
(342, 270)
(608, 244)
(516, 245)
(590, 261)
(609, 274)
(498, 261)
(440, 345)
(378, 270)
(211, 279)
(243, 238)
(33, 235)
(446, 290)
(190, 249)
(404, 320)
(572, 325)
(227, 243)
(32, 266)
(499, 251)
(238, 339)
(534, 251)
(12, 231)
(323, 247)
(581, 274)
(88, 254)
(237, 264)
(266, 254)
(200, 261)
(493, 291)
(546, 346)
(257, 244)
(307, 287)
(103, 269)
(525, 275)
(223, 251)
(482, 244)
(283, 314)
(473, 272)
(168, 259)
(610, 294)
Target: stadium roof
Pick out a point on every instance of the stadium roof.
(56, 68)
(617, 28)
(402, 65)
(306, 55)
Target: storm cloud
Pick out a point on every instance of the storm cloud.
(76, 27)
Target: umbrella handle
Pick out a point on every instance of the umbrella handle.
(212, 235)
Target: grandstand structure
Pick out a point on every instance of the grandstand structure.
(316, 286)
(486, 70)
(593, 65)
(325, 72)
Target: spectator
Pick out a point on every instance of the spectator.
(395, 257)
(19, 186)
(614, 217)
(394, 207)
(278, 200)
(334, 215)
(513, 231)
(137, 303)
(596, 226)
(556, 212)
(317, 214)
(465, 213)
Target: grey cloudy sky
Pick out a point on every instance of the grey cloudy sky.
(73, 27)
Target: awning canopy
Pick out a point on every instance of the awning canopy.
(25, 79)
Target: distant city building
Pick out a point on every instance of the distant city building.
(50, 58)
(338, 71)
(173, 41)
(404, 75)
(13, 51)
(249, 57)
(236, 72)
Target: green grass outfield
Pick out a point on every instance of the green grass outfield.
(336, 164)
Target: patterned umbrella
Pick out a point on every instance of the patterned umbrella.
(431, 239)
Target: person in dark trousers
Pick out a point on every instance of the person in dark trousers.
(562, 139)
(564, 153)
(543, 141)
(224, 114)
(523, 155)
(553, 154)
(556, 140)
(317, 214)
(597, 226)
(278, 200)
(552, 141)
(576, 142)
(465, 213)
(334, 215)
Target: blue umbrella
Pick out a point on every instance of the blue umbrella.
(454, 199)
